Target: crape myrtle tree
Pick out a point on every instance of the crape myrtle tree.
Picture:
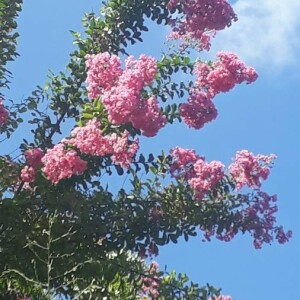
(63, 231)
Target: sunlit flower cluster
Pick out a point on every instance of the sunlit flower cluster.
(123, 153)
(212, 79)
(223, 74)
(104, 71)
(198, 19)
(60, 163)
(199, 110)
(28, 174)
(200, 175)
(34, 157)
(257, 211)
(148, 118)
(222, 297)
(123, 96)
(207, 176)
(33, 160)
(246, 170)
(90, 140)
(183, 160)
(249, 169)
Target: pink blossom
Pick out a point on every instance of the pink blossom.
(233, 64)
(120, 102)
(34, 157)
(200, 16)
(199, 110)
(282, 236)
(3, 113)
(249, 169)
(123, 96)
(124, 99)
(103, 72)
(213, 78)
(256, 216)
(183, 160)
(223, 74)
(139, 73)
(206, 177)
(200, 42)
(200, 175)
(148, 117)
(60, 163)
(34, 160)
(28, 174)
(259, 220)
(220, 80)
(90, 140)
(222, 297)
(123, 152)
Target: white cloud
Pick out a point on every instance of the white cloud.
(267, 32)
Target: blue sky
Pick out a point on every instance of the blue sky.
(262, 117)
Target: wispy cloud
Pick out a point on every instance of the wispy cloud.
(267, 32)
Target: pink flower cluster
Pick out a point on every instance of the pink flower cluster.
(188, 40)
(200, 175)
(148, 118)
(122, 152)
(223, 74)
(207, 176)
(139, 73)
(151, 282)
(121, 90)
(104, 71)
(222, 297)
(183, 161)
(90, 140)
(249, 169)
(203, 15)
(60, 163)
(3, 113)
(33, 160)
(256, 211)
(259, 220)
(199, 110)
(200, 17)
(34, 157)
(28, 174)
(219, 76)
